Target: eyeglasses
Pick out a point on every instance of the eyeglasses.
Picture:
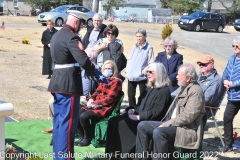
(203, 64)
(235, 46)
(150, 72)
(110, 33)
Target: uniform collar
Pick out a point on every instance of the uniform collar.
(70, 28)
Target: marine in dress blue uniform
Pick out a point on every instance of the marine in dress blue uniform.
(66, 83)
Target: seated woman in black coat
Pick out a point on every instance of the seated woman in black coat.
(152, 105)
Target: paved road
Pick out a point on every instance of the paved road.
(209, 42)
(216, 44)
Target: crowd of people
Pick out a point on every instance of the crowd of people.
(171, 105)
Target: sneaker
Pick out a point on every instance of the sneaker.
(237, 151)
(78, 141)
(225, 149)
(85, 142)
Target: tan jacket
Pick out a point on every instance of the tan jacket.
(190, 108)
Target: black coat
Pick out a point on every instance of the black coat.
(172, 64)
(47, 59)
(66, 48)
(122, 131)
(88, 33)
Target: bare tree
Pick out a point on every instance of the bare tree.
(234, 8)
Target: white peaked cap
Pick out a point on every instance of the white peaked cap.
(78, 14)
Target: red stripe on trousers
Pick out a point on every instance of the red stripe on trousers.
(70, 126)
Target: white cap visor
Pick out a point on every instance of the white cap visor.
(78, 14)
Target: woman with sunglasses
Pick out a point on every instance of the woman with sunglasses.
(103, 45)
(99, 104)
(171, 59)
(231, 80)
(152, 105)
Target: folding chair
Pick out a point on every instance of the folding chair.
(99, 139)
(215, 122)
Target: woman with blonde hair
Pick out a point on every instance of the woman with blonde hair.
(100, 103)
(47, 58)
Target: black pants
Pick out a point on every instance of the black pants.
(132, 85)
(161, 137)
(121, 135)
(231, 110)
(85, 128)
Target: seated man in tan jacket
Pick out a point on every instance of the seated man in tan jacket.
(182, 125)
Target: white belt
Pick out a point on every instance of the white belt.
(59, 66)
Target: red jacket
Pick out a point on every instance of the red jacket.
(106, 95)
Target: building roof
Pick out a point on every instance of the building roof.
(216, 5)
(141, 2)
(161, 12)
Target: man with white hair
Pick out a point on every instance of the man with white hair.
(182, 124)
(66, 83)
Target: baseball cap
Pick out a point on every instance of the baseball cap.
(206, 59)
(78, 14)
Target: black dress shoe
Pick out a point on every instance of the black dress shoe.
(85, 142)
(78, 141)
(225, 149)
(49, 77)
(237, 151)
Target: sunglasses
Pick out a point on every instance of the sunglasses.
(235, 46)
(150, 72)
(203, 64)
(110, 33)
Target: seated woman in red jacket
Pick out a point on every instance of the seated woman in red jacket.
(100, 103)
(153, 104)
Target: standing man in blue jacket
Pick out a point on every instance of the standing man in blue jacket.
(66, 83)
(231, 80)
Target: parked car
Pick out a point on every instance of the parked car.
(202, 20)
(59, 15)
(237, 24)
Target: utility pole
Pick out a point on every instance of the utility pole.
(95, 5)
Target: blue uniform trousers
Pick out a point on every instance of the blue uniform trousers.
(66, 108)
